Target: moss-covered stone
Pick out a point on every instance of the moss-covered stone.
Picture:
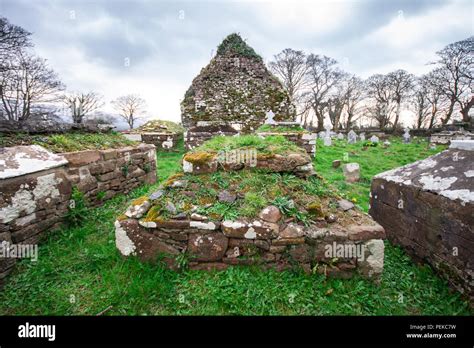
(235, 88)
(199, 157)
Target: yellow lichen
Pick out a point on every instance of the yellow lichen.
(172, 179)
(153, 215)
(122, 217)
(206, 200)
(263, 157)
(199, 158)
(316, 209)
(140, 200)
(187, 206)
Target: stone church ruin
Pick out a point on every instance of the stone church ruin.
(234, 91)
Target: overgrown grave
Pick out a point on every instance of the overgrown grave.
(248, 200)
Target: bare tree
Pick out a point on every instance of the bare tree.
(353, 97)
(336, 102)
(323, 75)
(12, 38)
(400, 84)
(420, 103)
(28, 81)
(456, 63)
(378, 89)
(290, 66)
(434, 95)
(129, 107)
(82, 104)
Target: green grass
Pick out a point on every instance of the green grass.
(275, 144)
(280, 129)
(372, 160)
(79, 271)
(68, 142)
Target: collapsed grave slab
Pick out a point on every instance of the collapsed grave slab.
(427, 207)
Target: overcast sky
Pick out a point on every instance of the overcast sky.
(166, 43)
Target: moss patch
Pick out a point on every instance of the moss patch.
(199, 157)
(269, 146)
(68, 142)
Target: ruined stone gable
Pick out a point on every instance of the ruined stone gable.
(235, 88)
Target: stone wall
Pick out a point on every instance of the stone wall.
(163, 141)
(101, 174)
(268, 241)
(305, 140)
(196, 136)
(36, 187)
(427, 208)
(299, 164)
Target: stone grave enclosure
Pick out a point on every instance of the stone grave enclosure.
(427, 207)
(175, 223)
(165, 135)
(301, 138)
(36, 186)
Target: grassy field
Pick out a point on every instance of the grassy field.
(79, 270)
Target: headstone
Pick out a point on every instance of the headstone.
(374, 139)
(386, 143)
(362, 136)
(351, 172)
(340, 136)
(406, 136)
(269, 117)
(336, 163)
(327, 136)
(351, 137)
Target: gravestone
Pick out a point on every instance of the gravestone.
(351, 137)
(340, 136)
(406, 136)
(362, 136)
(374, 139)
(269, 117)
(351, 172)
(327, 136)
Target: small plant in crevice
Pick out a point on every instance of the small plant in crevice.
(147, 168)
(100, 195)
(182, 261)
(77, 209)
(126, 167)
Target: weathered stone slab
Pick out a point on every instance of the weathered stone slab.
(427, 208)
(21, 160)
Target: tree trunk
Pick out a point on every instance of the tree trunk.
(449, 112)
(465, 110)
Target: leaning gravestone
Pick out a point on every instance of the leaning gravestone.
(351, 137)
